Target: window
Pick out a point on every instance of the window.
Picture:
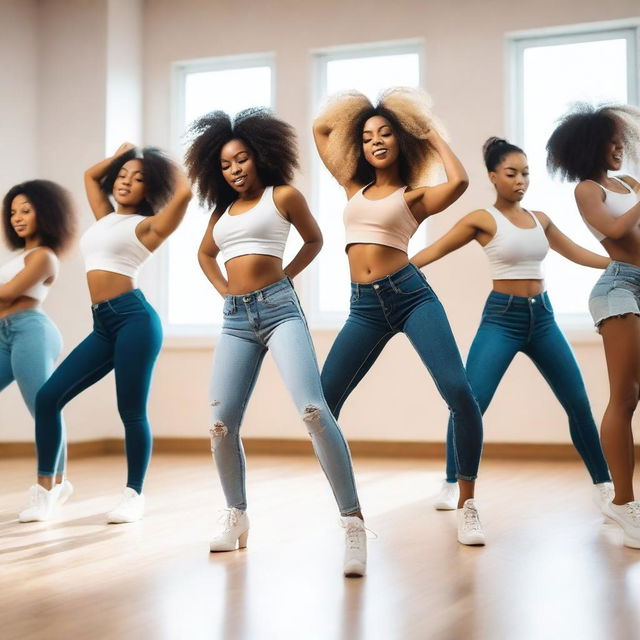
(370, 71)
(191, 305)
(549, 74)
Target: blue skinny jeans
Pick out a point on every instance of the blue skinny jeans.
(404, 302)
(126, 338)
(512, 324)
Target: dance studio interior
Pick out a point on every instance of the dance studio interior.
(81, 77)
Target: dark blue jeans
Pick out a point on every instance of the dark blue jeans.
(126, 337)
(511, 324)
(404, 302)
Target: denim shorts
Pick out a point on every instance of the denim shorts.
(616, 293)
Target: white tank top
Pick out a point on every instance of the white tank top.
(111, 244)
(11, 269)
(617, 203)
(515, 253)
(261, 230)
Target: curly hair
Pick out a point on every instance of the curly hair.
(159, 177)
(408, 111)
(495, 150)
(55, 214)
(576, 149)
(272, 142)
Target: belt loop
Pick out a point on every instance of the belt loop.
(616, 268)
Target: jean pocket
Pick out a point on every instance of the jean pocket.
(497, 308)
(413, 283)
(127, 307)
(229, 307)
(279, 298)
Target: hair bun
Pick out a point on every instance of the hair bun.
(493, 143)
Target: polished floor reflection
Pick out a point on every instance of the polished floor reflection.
(551, 568)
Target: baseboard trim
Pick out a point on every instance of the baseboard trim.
(283, 446)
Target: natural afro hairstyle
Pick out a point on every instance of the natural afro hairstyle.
(495, 150)
(576, 149)
(272, 142)
(159, 177)
(55, 214)
(408, 111)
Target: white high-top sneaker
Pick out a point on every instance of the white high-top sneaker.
(42, 504)
(234, 531)
(129, 509)
(447, 498)
(603, 493)
(628, 517)
(355, 552)
(66, 491)
(469, 526)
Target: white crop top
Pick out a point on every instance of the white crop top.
(617, 203)
(515, 253)
(261, 230)
(11, 269)
(111, 244)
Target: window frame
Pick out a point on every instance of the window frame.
(516, 43)
(320, 58)
(194, 334)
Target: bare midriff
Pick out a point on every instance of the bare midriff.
(252, 272)
(104, 285)
(626, 249)
(369, 262)
(523, 288)
(19, 304)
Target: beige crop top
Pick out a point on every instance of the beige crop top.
(387, 221)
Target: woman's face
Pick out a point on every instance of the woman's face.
(238, 166)
(23, 217)
(379, 143)
(128, 188)
(614, 152)
(511, 177)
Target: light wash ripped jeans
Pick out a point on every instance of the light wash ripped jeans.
(271, 318)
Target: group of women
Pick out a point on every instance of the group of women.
(383, 156)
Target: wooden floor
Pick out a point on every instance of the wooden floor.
(551, 568)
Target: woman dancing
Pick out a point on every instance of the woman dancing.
(242, 169)
(587, 144)
(518, 316)
(151, 196)
(39, 223)
(380, 156)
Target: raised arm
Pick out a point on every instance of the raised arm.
(566, 247)
(328, 133)
(436, 199)
(39, 266)
(463, 232)
(153, 231)
(292, 204)
(590, 201)
(98, 200)
(207, 254)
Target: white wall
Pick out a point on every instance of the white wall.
(62, 128)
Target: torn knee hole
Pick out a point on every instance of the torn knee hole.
(218, 431)
(215, 403)
(311, 414)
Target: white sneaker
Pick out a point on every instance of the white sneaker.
(469, 526)
(628, 517)
(130, 508)
(42, 503)
(447, 498)
(355, 552)
(66, 491)
(234, 531)
(603, 493)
